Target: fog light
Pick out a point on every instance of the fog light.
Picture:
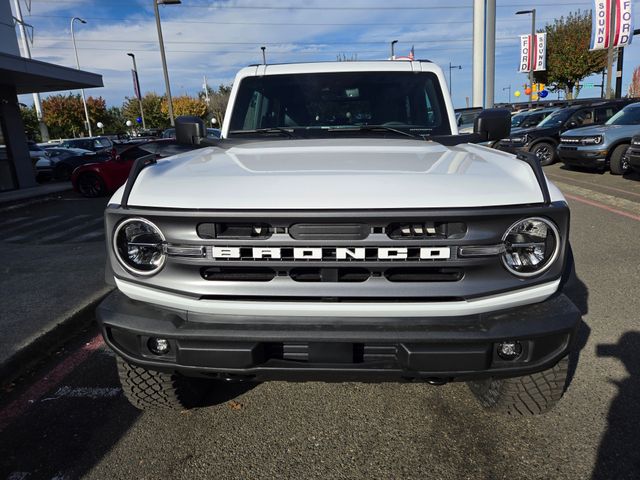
(509, 350)
(158, 346)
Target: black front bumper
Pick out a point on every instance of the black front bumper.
(582, 158)
(329, 348)
(633, 154)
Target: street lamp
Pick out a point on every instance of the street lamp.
(393, 49)
(84, 102)
(508, 88)
(531, 42)
(162, 54)
(452, 67)
(137, 86)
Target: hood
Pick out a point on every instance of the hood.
(336, 174)
(538, 131)
(599, 130)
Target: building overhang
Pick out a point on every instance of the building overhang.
(29, 76)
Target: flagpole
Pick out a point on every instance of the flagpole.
(612, 36)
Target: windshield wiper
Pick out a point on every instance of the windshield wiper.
(289, 133)
(373, 128)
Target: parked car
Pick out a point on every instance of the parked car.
(98, 179)
(95, 144)
(169, 133)
(36, 152)
(603, 146)
(466, 118)
(543, 139)
(529, 119)
(61, 161)
(633, 154)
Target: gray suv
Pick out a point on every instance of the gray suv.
(602, 146)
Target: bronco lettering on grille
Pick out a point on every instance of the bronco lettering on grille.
(331, 253)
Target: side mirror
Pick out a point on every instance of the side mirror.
(493, 124)
(190, 130)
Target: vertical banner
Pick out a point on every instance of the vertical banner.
(136, 84)
(541, 52)
(601, 22)
(525, 54)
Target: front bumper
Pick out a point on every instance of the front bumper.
(333, 348)
(633, 154)
(595, 157)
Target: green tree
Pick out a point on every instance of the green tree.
(30, 120)
(152, 105)
(114, 121)
(568, 57)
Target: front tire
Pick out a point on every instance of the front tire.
(153, 390)
(618, 161)
(523, 396)
(91, 185)
(545, 152)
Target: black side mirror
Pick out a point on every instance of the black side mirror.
(190, 130)
(493, 124)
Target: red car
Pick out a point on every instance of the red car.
(98, 179)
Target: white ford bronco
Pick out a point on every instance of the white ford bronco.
(341, 229)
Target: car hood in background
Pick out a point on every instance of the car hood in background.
(336, 174)
(614, 130)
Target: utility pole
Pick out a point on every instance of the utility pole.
(163, 55)
(612, 36)
(509, 89)
(44, 131)
(452, 67)
(75, 49)
(393, 49)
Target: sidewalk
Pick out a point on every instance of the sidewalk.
(27, 194)
(51, 272)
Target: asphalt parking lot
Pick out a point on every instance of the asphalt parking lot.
(68, 418)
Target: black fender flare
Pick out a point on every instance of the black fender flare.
(622, 141)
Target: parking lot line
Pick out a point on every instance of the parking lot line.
(602, 206)
(599, 185)
(50, 380)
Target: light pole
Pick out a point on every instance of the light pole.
(84, 102)
(162, 54)
(137, 87)
(452, 67)
(531, 42)
(393, 49)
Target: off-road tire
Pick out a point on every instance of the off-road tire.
(545, 152)
(523, 396)
(150, 389)
(617, 160)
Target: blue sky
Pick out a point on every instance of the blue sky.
(217, 37)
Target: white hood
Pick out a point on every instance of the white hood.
(336, 174)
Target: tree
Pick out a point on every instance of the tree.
(186, 105)
(114, 121)
(31, 124)
(64, 114)
(152, 105)
(568, 57)
(634, 86)
(218, 101)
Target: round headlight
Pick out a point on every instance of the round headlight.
(139, 246)
(531, 246)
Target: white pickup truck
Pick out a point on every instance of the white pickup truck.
(341, 229)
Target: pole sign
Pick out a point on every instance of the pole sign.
(601, 23)
(136, 84)
(534, 57)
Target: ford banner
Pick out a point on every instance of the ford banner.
(602, 21)
(534, 57)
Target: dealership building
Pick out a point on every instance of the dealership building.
(19, 75)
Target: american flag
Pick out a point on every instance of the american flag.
(411, 55)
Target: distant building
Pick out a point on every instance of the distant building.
(20, 75)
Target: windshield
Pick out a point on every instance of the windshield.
(321, 104)
(627, 116)
(517, 119)
(556, 118)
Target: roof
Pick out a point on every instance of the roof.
(29, 76)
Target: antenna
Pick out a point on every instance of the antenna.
(264, 55)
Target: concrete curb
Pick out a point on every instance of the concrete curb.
(13, 198)
(47, 342)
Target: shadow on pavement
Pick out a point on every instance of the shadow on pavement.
(619, 451)
(578, 293)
